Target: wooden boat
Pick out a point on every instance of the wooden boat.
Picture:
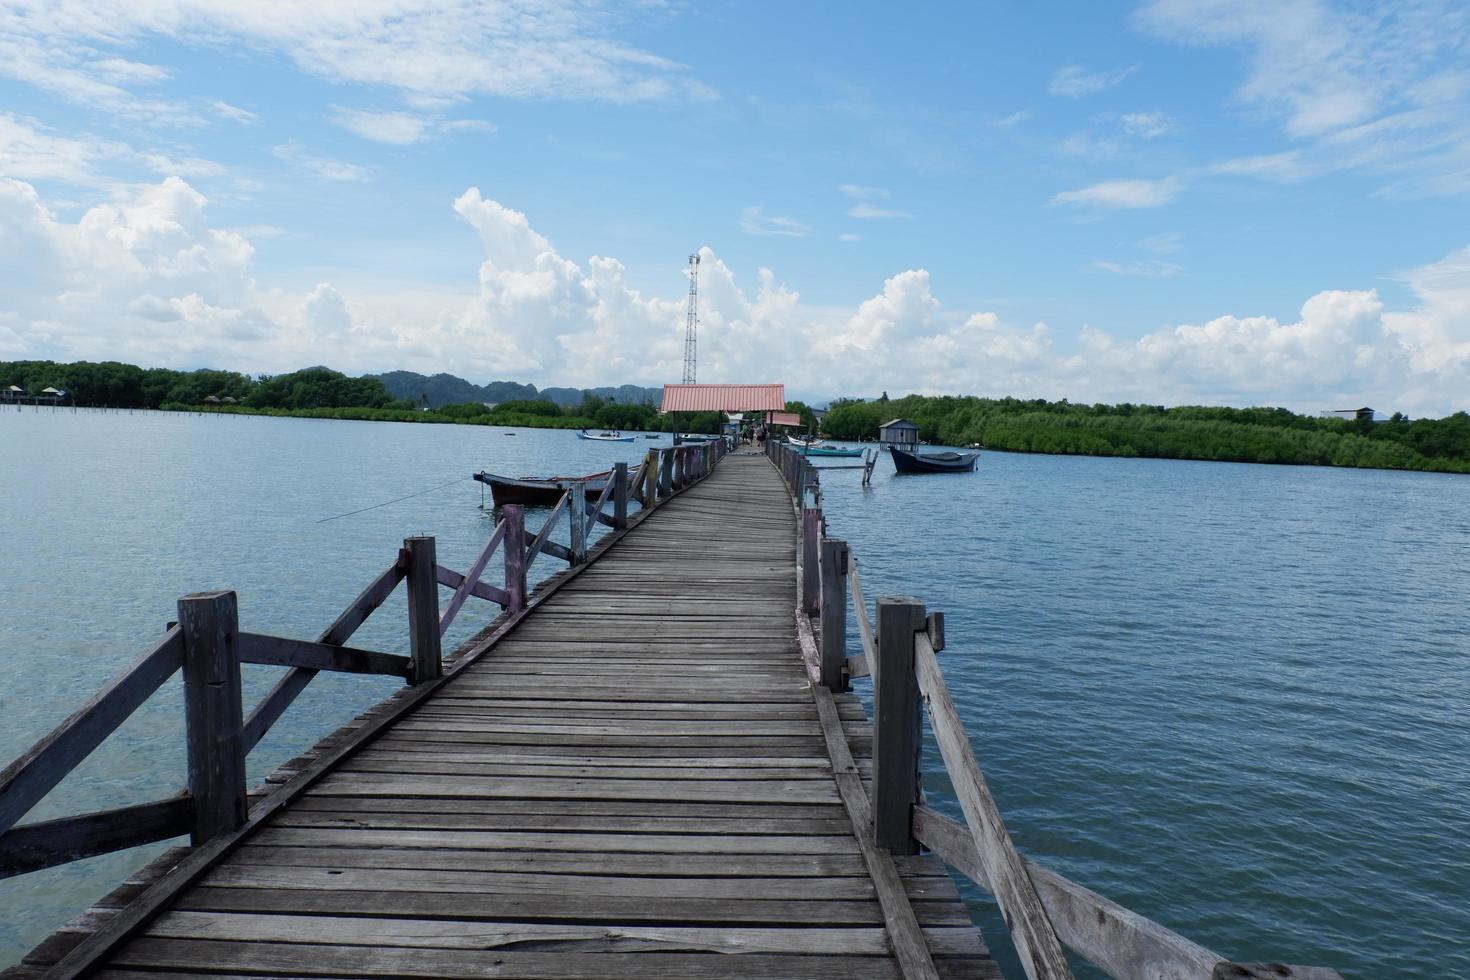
(950, 462)
(658, 436)
(605, 436)
(538, 492)
(838, 451)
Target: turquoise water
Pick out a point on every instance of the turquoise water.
(1234, 698)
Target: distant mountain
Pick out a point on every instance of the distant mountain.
(447, 389)
(627, 394)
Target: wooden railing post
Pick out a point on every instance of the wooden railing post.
(578, 513)
(514, 544)
(620, 496)
(666, 471)
(210, 627)
(423, 609)
(811, 533)
(896, 725)
(834, 614)
(650, 479)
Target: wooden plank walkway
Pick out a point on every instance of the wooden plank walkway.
(631, 782)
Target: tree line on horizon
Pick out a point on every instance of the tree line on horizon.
(320, 392)
(1249, 435)
(1242, 435)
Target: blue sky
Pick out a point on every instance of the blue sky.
(1215, 201)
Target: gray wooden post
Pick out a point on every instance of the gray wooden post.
(811, 533)
(423, 610)
(896, 721)
(578, 514)
(620, 496)
(666, 472)
(514, 544)
(834, 614)
(210, 626)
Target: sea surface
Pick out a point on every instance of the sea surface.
(1233, 698)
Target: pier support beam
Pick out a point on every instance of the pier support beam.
(514, 544)
(896, 725)
(620, 496)
(423, 610)
(210, 625)
(834, 614)
(578, 514)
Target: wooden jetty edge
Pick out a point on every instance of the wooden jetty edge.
(649, 763)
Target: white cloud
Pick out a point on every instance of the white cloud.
(30, 151)
(433, 53)
(1014, 119)
(401, 128)
(1075, 81)
(755, 221)
(1146, 125)
(146, 278)
(864, 206)
(233, 112)
(1123, 194)
(849, 237)
(1142, 268)
(866, 210)
(327, 169)
(1164, 243)
(1377, 87)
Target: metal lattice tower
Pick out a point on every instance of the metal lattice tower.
(691, 323)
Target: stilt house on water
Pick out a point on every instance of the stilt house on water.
(899, 432)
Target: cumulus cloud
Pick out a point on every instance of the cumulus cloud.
(146, 277)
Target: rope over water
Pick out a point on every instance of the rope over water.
(363, 510)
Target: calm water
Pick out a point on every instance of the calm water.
(1234, 698)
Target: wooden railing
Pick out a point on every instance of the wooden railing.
(208, 646)
(1043, 910)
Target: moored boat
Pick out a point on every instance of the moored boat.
(948, 462)
(838, 451)
(538, 492)
(605, 436)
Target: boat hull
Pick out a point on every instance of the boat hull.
(583, 435)
(907, 462)
(537, 493)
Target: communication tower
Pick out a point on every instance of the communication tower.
(691, 323)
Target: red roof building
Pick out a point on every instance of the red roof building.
(723, 398)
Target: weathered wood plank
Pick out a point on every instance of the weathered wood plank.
(31, 847)
(213, 712)
(571, 937)
(480, 590)
(279, 651)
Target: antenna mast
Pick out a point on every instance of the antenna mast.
(691, 323)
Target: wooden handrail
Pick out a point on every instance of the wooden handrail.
(471, 577)
(866, 662)
(1036, 941)
(45, 844)
(274, 704)
(219, 734)
(26, 780)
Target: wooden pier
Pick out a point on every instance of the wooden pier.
(649, 767)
